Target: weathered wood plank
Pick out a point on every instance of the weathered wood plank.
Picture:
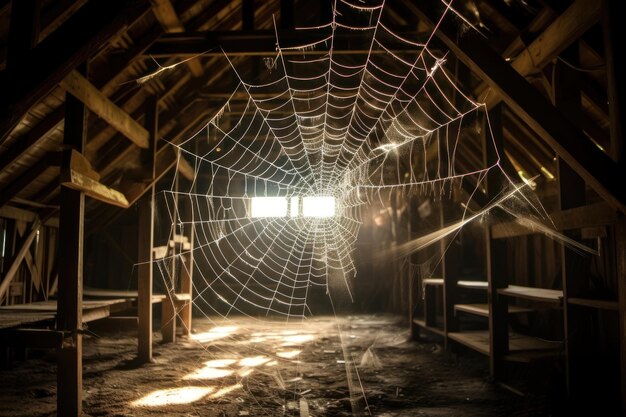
(70, 255)
(595, 167)
(97, 102)
(19, 257)
(94, 189)
(145, 240)
(43, 67)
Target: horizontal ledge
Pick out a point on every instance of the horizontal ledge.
(534, 294)
(595, 303)
(264, 43)
(94, 189)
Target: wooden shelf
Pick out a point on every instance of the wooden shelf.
(522, 348)
(535, 294)
(483, 309)
(595, 303)
(476, 285)
(421, 323)
(432, 281)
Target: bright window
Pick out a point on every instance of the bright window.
(294, 209)
(268, 207)
(318, 206)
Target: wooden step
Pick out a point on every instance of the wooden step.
(522, 348)
(476, 285)
(432, 281)
(534, 294)
(422, 324)
(483, 309)
(595, 303)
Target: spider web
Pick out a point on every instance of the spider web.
(315, 121)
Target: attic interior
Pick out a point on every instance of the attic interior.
(311, 208)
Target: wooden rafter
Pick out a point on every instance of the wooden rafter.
(44, 66)
(595, 167)
(98, 103)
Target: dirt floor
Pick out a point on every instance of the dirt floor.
(358, 365)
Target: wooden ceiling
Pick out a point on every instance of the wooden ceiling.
(517, 58)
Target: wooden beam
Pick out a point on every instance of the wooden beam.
(571, 193)
(568, 27)
(613, 34)
(595, 167)
(495, 253)
(167, 17)
(43, 67)
(31, 174)
(81, 88)
(70, 256)
(15, 213)
(620, 257)
(146, 240)
(19, 257)
(32, 138)
(184, 168)
(92, 188)
(257, 43)
(598, 214)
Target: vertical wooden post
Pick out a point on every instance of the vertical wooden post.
(611, 25)
(146, 238)
(70, 300)
(620, 255)
(168, 313)
(496, 254)
(571, 194)
(449, 252)
(186, 276)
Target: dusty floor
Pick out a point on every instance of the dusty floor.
(359, 365)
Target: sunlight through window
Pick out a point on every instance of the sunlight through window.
(268, 207)
(318, 206)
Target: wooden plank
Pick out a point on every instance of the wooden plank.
(259, 43)
(31, 338)
(519, 344)
(43, 67)
(565, 29)
(15, 213)
(592, 215)
(146, 240)
(595, 167)
(613, 34)
(94, 189)
(478, 285)
(98, 103)
(535, 294)
(167, 17)
(422, 324)
(620, 269)
(9, 319)
(70, 255)
(168, 320)
(572, 194)
(483, 309)
(186, 277)
(19, 257)
(13, 188)
(495, 262)
(610, 305)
